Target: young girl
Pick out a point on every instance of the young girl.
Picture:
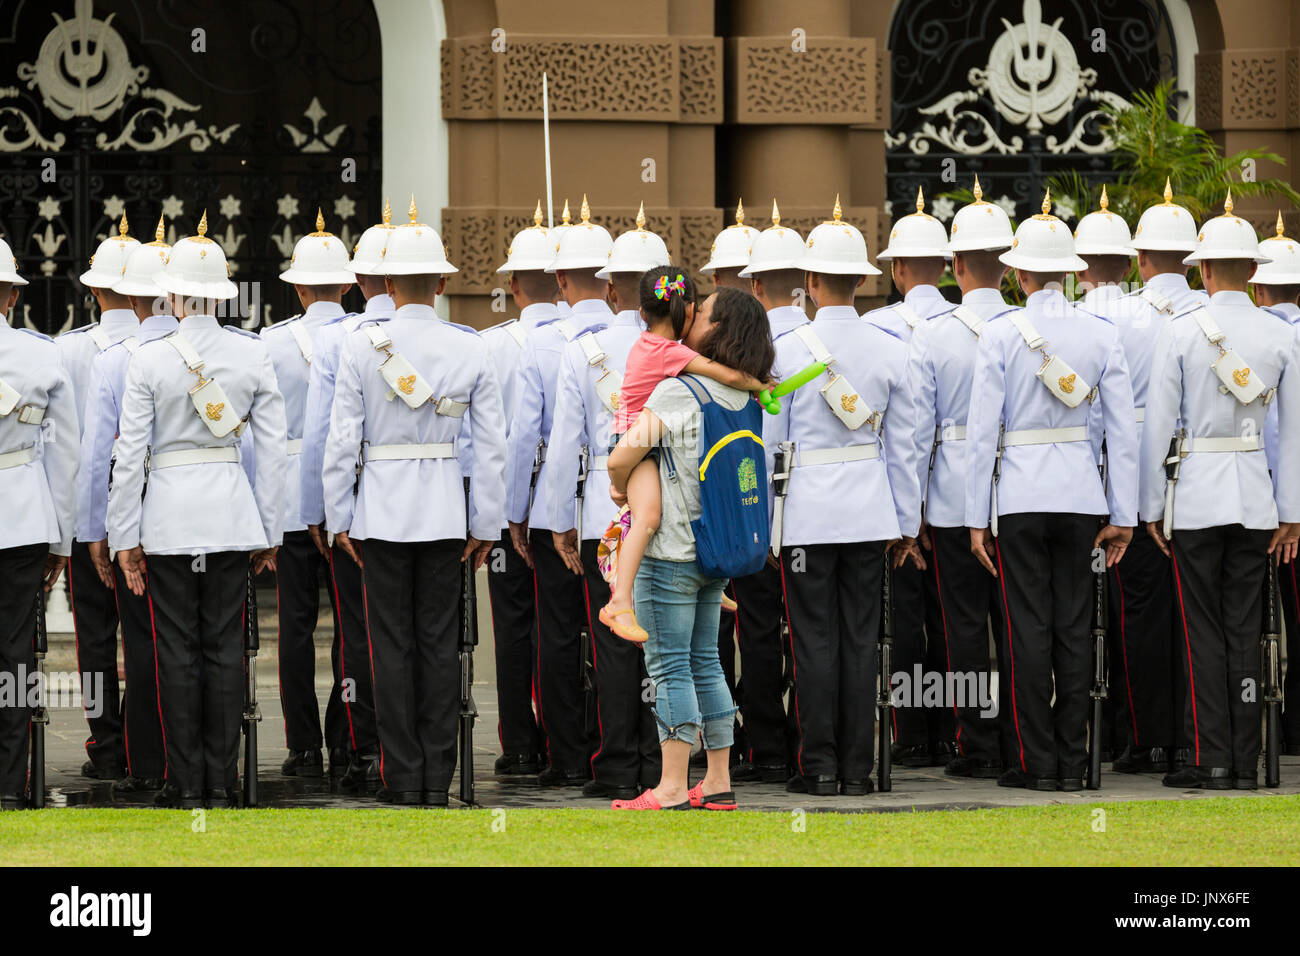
(668, 309)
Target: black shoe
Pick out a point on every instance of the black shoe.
(1200, 778)
(1044, 782)
(363, 772)
(400, 798)
(555, 777)
(912, 755)
(516, 765)
(1142, 760)
(820, 785)
(95, 772)
(744, 770)
(598, 788)
(340, 761)
(173, 797)
(434, 798)
(941, 753)
(1011, 777)
(133, 784)
(222, 798)
(1069, 784)
(12, 801)
(1180, 758)
(857, 788)
(973, 767)
(303, 763)
(1245, 781)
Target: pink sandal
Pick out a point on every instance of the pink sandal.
(713, 801)
(646, 801)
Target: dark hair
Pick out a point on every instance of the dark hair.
(673, 304)
(741, 337)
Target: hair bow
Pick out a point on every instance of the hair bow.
(664, 289)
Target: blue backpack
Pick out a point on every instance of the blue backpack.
(731, 533)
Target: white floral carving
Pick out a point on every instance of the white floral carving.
(315, 142)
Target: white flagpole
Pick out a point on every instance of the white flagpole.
(546, 137)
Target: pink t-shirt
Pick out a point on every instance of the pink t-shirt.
(651, 360)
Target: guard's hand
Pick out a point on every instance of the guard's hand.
(99, 558)
(566, 543)
(618, 497)
(318, 539)
(54, 565)
(907, 548)
(353, 551)
(133, 569)
(519, 538)
(1285, 541)
(1158, 536)
(479, 549)
(924, 538)
(981, 545)
(264, 559)
(1116, 540)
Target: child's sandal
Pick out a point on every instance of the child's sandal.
(633, 632)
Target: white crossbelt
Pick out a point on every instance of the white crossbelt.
(968, 317)
(293, 446)
(1235, 443)
(193, 456)
(517, 332)
(301, 338)
(1139, 415)
(949, 433)
(410, 452)
(1045, 436)
(908, 313)
(100, 338)
(599, 463)
(835, 456)
(12, 459)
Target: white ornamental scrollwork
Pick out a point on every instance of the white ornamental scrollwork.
(83, 69)
(1032, 79)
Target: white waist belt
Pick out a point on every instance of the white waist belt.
(413, 452)
(12, 459)
(949, 433)
(834, 456)
(31, 414)
(1236, 443)
(1045, 436)
(599, 463)
(1139, 415)
(293, 446)
(193, 456)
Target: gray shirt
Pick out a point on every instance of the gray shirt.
(675, 406)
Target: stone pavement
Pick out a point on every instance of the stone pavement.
(925, 789)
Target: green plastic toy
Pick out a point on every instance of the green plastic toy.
(771, 400)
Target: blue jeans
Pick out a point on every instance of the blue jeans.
(679, 608)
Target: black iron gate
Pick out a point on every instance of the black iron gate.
(256, 113)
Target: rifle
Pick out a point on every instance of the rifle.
(1099, 689)
(782, 462)
(468, 640)
(40, 713)
(1272, 680)
(588, 673)
(884, 697)
(1173, 464)
(252, 713)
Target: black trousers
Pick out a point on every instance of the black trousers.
(413, 613)
(299, 569)
(727, 623)
(762, 674)
(832, 598)
(561, 615)
(1140, 644)
(1289, 597)
(21, 569)
(141, 719)
(198, 606)
(94, 616)
(964, 593)
(1045, 565)
(626, 743)
(918, 639)
(1218, 574)
(354, 682)
(514, 633)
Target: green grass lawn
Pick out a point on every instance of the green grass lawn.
(1257, 831)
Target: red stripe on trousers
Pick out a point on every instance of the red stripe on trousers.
(794, 669)
(1123, 644)
(1187, 639)
(1015, 716)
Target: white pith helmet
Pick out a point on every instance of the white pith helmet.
(636, 251)
(837, 248)
(1226, 237)
(144, 265)
(109, 260)
(777, 247)
(319, 258)
(1102, 233)
(197, 267)
(415, 249)
(730, 250)
(916, 236)
(980, 226)
(584, 245)
(1043, 243)
(1166, 227)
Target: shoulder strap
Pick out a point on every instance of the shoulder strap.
(1157, 301)
(815, 345)
(1208, 326)
(99, 337)
(185, 350)
(566, 328)
(696, 388)
(517, 332)
(591, 348)
(302, 338)
(131, 343)
(908, 313)
(1026, 329)
(377, 337)
(969, 319)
